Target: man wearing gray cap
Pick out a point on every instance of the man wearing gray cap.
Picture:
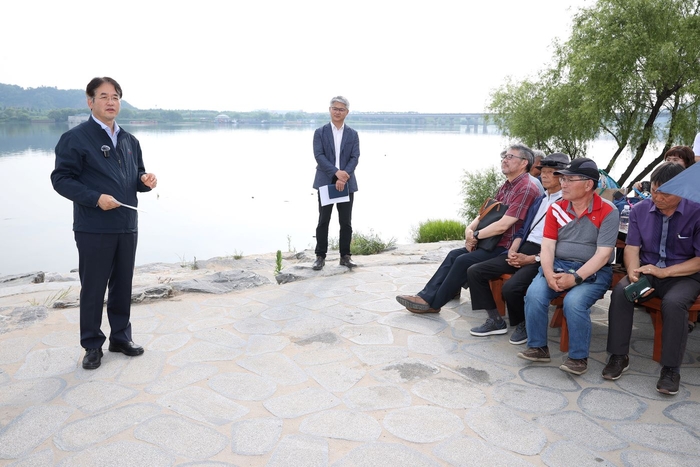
(522, 260)
(578, 245)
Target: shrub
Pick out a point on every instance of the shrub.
(439, 230)
(369, 244)
(278, 262)
(476, 187)
(333, 243)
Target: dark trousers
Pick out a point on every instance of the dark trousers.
(324, 219)
(452, 275)
(105, 260)
(677, 295)
(514, 289)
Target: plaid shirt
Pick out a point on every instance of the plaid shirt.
(518, 195)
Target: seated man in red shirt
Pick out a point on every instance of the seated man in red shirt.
(577, 252)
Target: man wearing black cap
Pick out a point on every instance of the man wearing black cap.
(580, 232)
(522, 260)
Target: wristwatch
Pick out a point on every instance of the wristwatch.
(578, 279)
(476, 234)
(537, 258)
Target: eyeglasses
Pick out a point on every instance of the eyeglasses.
(338, 109)
(106, 98)
(567, 180)
(510, 156)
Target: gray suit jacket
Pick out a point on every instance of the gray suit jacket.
(324, 152)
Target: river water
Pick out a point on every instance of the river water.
(225, 190)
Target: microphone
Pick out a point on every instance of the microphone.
(105, 150)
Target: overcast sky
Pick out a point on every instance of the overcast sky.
(423, 56)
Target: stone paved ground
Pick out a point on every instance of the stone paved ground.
(331, 371)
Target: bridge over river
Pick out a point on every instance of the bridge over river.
(475, 120)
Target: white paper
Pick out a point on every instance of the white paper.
(130, 207)
(329, 195)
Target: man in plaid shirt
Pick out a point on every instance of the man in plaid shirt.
(518, 192)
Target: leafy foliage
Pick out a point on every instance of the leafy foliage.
(439, 230)
(631, 70)
(371, 244)
(476, 187)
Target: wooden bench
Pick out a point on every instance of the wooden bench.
(558, 320)
(653, 307)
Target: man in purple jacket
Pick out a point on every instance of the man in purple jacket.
(663, 245)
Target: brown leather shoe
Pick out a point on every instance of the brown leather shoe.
(429, 310)
(346, 261)
(414, 303)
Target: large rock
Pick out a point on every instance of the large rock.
(36, 277)
(155, 292)
(222, 282)
(21, 317)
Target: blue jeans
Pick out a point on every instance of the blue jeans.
(577, 307)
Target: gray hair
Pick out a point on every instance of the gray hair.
(342, 100)
(539, 154)
(525, 152)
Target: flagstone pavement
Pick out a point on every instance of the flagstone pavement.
(333, 371)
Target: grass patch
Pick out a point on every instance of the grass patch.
(371, 244)
(51, 299)
(186, 264)
(439, 230)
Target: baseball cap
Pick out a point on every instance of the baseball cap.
(558, 160)
(582, 166)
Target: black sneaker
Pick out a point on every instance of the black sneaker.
(489, 328)
(519, 336)
(616, 366)
(669, 381)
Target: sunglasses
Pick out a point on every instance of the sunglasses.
(555, 164)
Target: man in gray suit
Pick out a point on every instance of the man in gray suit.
(337, 152)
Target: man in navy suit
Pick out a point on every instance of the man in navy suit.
(337, 152)
(99, 166)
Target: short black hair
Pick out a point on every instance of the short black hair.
(97, 82)
(665, 172)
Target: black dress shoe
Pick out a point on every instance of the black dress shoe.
(346, 261)
(319, 263)
(127, 348)
(92, 359)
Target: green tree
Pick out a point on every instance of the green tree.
(631, 70)
(476, 187)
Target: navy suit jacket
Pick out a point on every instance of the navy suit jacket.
(324, 152)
